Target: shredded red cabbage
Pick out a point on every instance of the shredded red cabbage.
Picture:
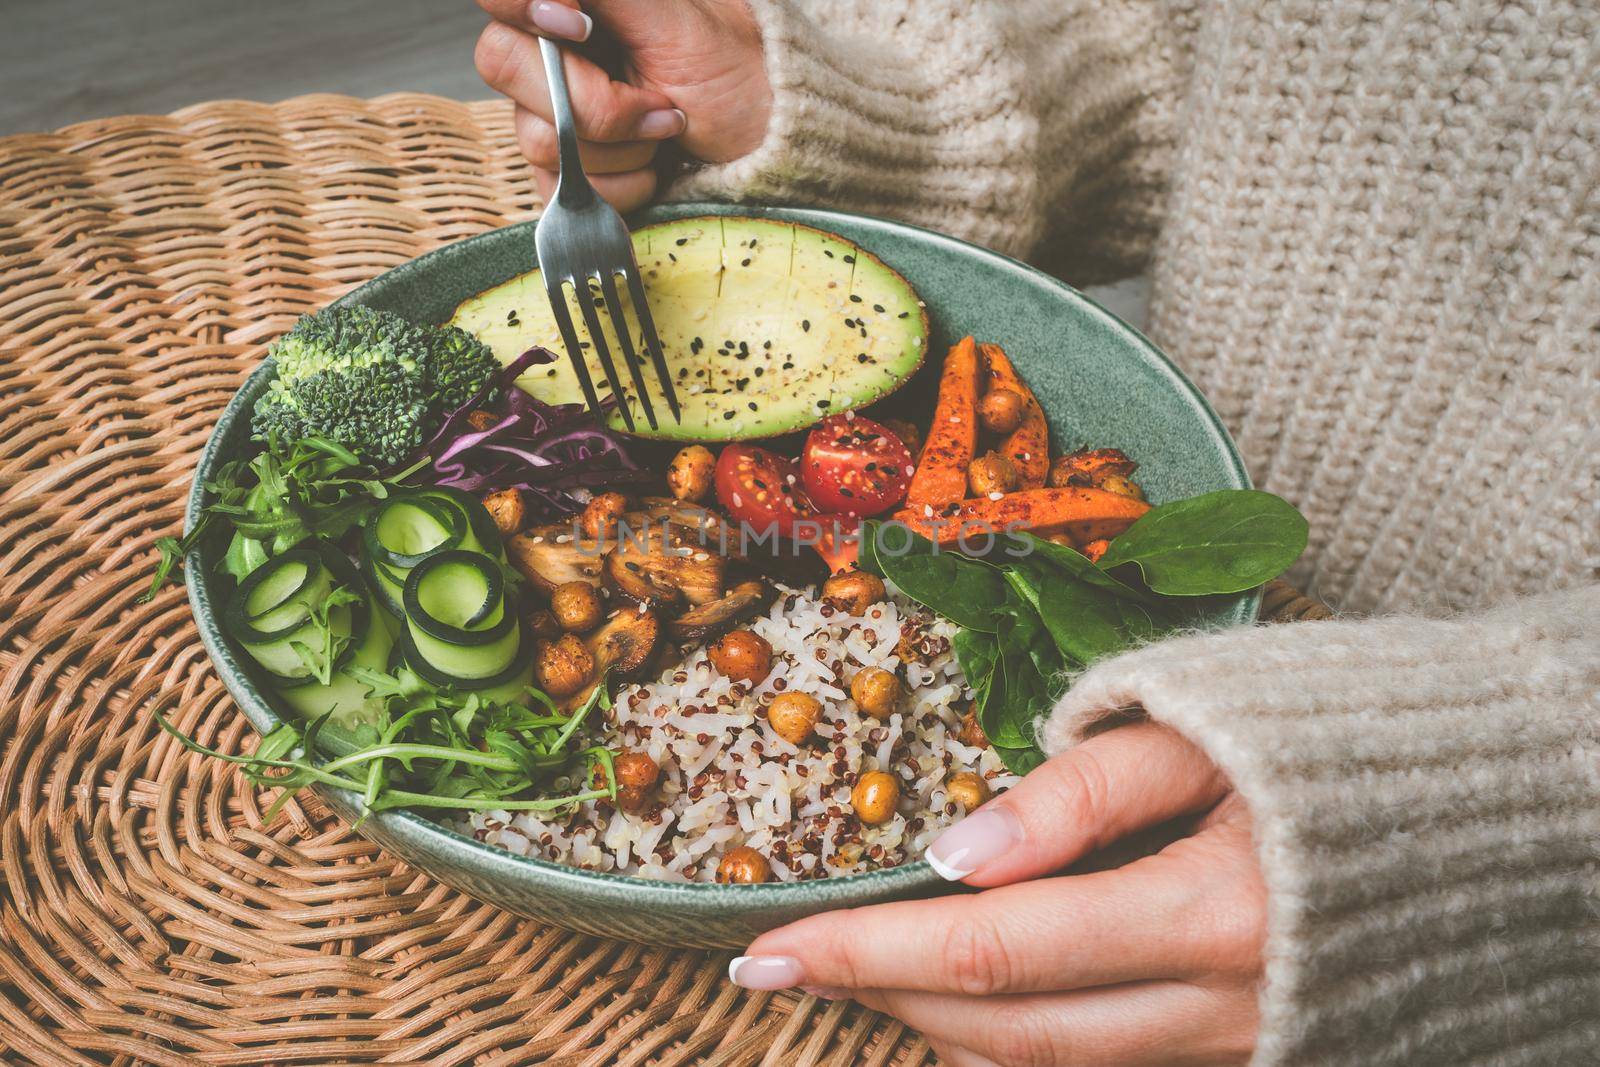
(546, 450)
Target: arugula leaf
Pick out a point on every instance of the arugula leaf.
(965, 591)
(283, 495)
(1223, 542)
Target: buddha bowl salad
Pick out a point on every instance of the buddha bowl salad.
(696, 657)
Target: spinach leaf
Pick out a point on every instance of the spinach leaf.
(963, 590)
(977, 652)
(1222, 542)
(1024, 679)
(1027, 546)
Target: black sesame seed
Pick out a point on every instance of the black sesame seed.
(849, 259)
(805, 324)
(824, 403)
(752, 405)
(878, 308)
(828, 252)
(861, 357)
(682, 241)
(727, 414)
(744, 262)
(788, 366)
(903, 314)
(855, 298)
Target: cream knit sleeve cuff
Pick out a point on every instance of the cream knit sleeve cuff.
(1009, 125)
(1426, 797)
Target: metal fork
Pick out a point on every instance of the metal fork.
(582, 241)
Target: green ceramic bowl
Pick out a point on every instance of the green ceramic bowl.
(1099, 380)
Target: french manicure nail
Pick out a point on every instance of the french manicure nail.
(659, 125)
(979, 839)
(765, 972)
(558, 20)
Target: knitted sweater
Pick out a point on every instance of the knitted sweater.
(1373, 232)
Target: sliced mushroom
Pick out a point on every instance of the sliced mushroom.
(549, 556)
(690, 524)
(623, 643)
(621, 648)
(657, 569)
(624, 573)
(709, 620)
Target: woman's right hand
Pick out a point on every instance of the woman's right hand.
(694, 71)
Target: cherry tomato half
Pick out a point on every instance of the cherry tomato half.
(760, 488)
(854, 466)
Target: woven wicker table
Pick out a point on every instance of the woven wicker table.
(148, 912)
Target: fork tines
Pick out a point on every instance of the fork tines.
(588, 305)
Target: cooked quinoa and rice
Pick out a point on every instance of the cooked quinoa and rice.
(728, 781)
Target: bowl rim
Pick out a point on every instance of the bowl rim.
(464, 851)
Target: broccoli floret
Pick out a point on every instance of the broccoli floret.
(370, 380)
(459, 365)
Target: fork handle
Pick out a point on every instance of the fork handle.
(566, 126)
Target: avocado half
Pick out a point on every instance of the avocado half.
(767, 327)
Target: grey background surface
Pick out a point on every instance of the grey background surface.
(66, 60)
(63, 61)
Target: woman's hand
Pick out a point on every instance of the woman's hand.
(693, 70)
(1156, 962)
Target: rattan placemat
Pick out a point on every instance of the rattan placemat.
(148, 913)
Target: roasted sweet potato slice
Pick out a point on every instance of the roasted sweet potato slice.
(1028, 446)
(1089, 467)
(941, 476)
(1082, 514)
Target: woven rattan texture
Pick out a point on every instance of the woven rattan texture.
(148, 912)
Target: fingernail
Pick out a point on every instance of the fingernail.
(979, 839)
(558, 20)
(659, 125)
(765, 972)
(826, 992)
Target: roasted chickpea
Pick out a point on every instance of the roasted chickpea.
(481, 420)
(972, 731)
(635, 769)
(743, 866)
(636, 777)
(1001, 410)
(908, 433)
(1095, 549)
(543, 625)
(875, 691)
(874, 797)
(600, 515)
(507, 509)
(992, 473)
(853, 591)
(966, 789)
(564, 666)
(1116, 483)
(576, 606)
(793, 716)
(742, 655)
(689, 473)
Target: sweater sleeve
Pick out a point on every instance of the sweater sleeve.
(1040, 128)
(1426, 797)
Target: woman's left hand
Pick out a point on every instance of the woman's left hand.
(1155, 962)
